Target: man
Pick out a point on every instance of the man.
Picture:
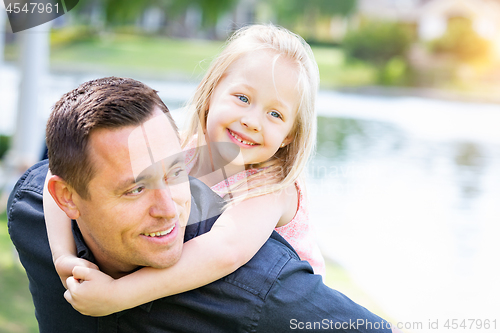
(126, 218)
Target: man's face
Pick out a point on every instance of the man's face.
(139, 197)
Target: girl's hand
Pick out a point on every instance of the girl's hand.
(92, 292)
(65, 264)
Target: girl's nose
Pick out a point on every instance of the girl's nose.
(251, 122)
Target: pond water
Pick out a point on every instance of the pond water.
(405, 193)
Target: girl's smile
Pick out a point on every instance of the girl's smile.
(241, 140)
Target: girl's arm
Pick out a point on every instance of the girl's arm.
(60, 235)
(233, 240)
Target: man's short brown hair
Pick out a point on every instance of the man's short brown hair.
(103, 103)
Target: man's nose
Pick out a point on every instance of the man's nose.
(163, 205)
(251, 120)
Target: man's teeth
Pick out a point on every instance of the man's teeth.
(241, 140)
(160, 233)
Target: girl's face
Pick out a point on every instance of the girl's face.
(254, 106)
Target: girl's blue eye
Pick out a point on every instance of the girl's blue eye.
(243, 98)
(275, 114)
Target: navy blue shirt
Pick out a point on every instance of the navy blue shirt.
(274, 292)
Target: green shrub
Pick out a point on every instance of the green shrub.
(4, 144)
(394, 72)
(378, 42)
(73, 34)
(383, 45)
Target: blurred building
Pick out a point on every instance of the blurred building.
(188, 23)
(431, 17)
(390, 10)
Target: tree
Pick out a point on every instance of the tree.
(383, 44)
(116, 12)
(212, 10)
(461, 41)
(289, 12)
(377, 42)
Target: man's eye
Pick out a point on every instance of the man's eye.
(136, 191)
(243, 98)
(275, 114)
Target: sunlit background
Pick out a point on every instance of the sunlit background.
(404, 189)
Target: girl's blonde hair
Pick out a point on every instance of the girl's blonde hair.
(288, 162)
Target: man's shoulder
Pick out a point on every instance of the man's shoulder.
(32, 180)
(25, 202)
(29, 189)
(269, 264)
(289, 293)
(236, 302)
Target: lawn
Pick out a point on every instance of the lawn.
(171, 59)
(141, 55)
(16, 308)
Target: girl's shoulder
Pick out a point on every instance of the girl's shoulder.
(292, 199)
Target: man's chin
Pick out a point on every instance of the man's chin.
(168, 259)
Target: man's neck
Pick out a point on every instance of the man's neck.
(112, 269)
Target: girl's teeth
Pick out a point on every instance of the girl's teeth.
(240, 140)
(160, 233)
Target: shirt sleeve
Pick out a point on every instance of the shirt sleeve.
(299, 300)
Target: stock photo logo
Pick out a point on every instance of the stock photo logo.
(26, 14)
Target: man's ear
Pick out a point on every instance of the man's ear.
(63, 195)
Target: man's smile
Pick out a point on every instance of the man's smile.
(160, 233)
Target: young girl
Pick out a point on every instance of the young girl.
(258, 95)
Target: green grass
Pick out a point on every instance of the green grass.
(16, 308)
(339, 279)
(74, 49)
(336, 72)
(146, 56)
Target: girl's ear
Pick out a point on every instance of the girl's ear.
(63, 196)
(287, 141)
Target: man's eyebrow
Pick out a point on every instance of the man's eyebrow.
(130, 181)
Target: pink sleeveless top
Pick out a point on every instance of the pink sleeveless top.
(298, 232)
